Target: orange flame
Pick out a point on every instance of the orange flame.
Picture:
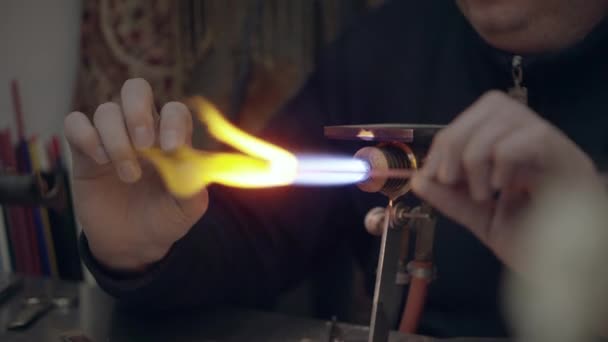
(186, 171)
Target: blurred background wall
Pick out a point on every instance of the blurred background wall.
(39, 44)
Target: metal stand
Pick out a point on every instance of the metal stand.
(399, 148)
(394, 272)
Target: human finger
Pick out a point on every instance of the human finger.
(112, 130)
(175, 126)
(138, 109)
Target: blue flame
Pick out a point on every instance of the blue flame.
(323, 170)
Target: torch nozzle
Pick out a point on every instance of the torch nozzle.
(390, 168)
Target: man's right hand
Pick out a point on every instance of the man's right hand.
(129, 218)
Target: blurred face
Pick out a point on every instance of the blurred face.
(533, 26)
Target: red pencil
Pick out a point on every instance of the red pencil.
(18, 109)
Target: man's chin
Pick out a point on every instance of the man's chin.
(495, 17)
(500, 23)
(521, 44)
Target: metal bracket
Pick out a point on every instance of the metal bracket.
(393, 271)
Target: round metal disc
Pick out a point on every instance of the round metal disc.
(413, 134)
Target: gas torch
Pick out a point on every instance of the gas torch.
(399, 150)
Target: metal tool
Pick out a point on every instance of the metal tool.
(65, 302)
(32, 308)
(400, 149)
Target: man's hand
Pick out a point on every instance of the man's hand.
(130, 220)
(484, 169)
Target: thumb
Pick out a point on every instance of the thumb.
(195, 206)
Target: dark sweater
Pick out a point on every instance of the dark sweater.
(408, 62)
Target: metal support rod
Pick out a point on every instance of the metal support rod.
(388, 295)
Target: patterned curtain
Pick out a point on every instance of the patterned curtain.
(124, 39)
(248, 56)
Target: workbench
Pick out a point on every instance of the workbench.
(96, 316)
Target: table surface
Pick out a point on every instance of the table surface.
(97, 317)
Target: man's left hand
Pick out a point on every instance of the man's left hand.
(484, 169)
